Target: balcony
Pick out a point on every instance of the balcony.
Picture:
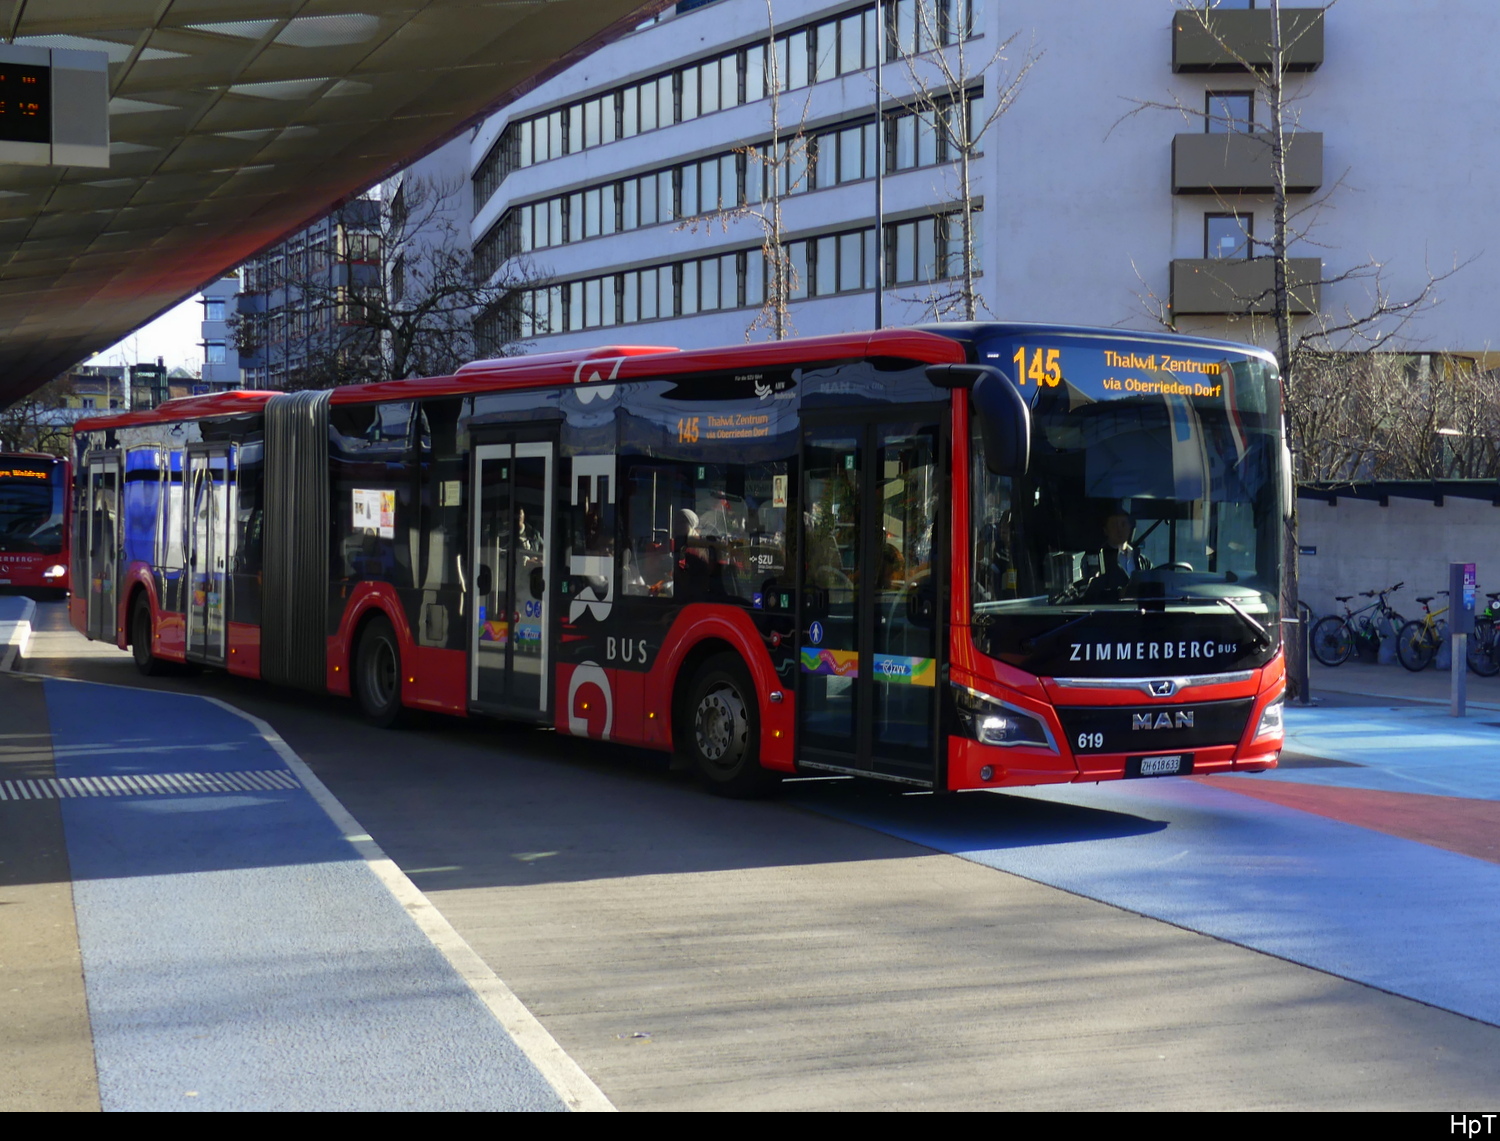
(1231, 40)
(1236, 287)
(1240, 163)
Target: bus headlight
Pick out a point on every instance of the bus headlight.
(1271, 720)
(54, 572)
(992, 722)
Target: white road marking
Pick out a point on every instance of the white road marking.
(575, 1087)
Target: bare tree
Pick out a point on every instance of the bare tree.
(774, 171)
(39, 422)
(401, 297)
(1360, 416)
(943, 82)
(1294, 220)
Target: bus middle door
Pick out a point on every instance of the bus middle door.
(870, 571)
(513, 541)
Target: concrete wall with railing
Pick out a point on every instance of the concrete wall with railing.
(1356, 544)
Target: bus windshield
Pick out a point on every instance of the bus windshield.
(31, 505)
(1152, 491)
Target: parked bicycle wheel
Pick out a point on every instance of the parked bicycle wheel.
(1331, 641)
(1366, 639)
(1416, 647)
(1482, 651)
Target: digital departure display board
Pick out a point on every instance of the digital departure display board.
(25, 104)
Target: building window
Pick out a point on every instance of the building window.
(1229, 112)
(1228, 235)
(213, 309)
(213, 352)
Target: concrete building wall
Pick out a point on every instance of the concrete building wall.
(1364, 546)
(1080, 222)
(218, 337)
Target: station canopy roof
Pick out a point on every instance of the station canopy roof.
(232, 124)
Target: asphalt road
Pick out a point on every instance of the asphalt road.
(693, 953)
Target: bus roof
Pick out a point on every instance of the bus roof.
(600, 364)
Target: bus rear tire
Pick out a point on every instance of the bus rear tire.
(146, 662)
(377, 675)
(720, 731)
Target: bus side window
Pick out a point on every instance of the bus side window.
(371, 477)
(444, 456)
(654, 494)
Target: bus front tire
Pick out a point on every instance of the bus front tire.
(377, 675)
(720, 731)
(146, 662)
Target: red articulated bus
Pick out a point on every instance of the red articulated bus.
(34, 528)
(956, 557)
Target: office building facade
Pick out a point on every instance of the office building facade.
(1127, 184)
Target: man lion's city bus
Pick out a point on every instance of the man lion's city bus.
(33, 522)
(957, 557)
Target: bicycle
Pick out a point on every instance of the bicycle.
(1484, 643)
(1336, 637)
(1419, 640)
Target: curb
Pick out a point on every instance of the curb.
(15, 635)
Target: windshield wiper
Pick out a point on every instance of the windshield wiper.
(1047, 637)
(1262, 636)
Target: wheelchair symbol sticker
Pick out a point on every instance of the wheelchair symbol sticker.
(815, 633)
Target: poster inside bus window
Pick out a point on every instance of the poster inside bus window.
(375, 512)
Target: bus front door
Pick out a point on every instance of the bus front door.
(513, 541)
(872, 555)
(102, 546)
(207, 523)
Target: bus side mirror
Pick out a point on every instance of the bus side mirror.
(1004, 418)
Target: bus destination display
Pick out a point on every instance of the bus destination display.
(25, 104)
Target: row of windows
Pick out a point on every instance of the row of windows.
(841, 153)
(805, 55)
(917, 251)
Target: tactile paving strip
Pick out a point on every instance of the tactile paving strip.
(153, 784)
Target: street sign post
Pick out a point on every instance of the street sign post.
(1463, 582)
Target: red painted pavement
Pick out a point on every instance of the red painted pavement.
(1471, 827)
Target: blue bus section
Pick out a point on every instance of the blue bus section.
(238, 954)
(1392, 912)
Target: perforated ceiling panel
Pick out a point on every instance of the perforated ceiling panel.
(233, 123)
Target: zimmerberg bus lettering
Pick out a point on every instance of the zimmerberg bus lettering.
(588, 471)
(1149, 651)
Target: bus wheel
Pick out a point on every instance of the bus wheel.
(377, 674)
(721, 731)
(140, 641)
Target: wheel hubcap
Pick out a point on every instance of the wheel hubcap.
(383, 675)
(720, 724)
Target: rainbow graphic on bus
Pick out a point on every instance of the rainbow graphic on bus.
(893, 669)
(830, 663)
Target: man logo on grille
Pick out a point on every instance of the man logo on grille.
(1181, 719)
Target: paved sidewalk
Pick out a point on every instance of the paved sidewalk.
(242, 945)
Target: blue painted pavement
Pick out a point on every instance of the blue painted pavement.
(1390, 912)
(238, 954)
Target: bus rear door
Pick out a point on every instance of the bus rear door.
(101, 553)
(872, 561)
(209, 534)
